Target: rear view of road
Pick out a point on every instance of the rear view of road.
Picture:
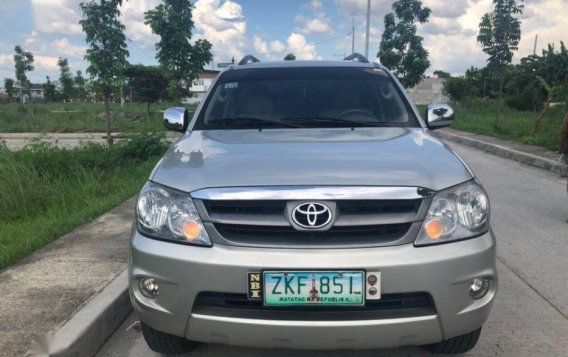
(530, 316)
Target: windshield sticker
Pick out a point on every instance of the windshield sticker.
(231, 85)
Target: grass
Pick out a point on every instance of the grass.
(79, 117)
(478, 116)
(48, 191)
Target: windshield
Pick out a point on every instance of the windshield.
(305, 97)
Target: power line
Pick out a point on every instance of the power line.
(330, 39)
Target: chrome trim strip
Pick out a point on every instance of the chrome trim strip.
(292, 323)
(313, 193)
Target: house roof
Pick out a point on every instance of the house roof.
(208, 73)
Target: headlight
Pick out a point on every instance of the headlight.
(457, 213)
(167, 214)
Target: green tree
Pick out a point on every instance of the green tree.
(10, 88)
(552, 75)
(107, 52)
(180, 60)
(50, 90)
(459, 89)
(290, 57)
(65, 78)
(146, 84)
(401, 49)
(499, 35)
(23, 63)
(80, 83)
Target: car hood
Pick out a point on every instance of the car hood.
(289, 157)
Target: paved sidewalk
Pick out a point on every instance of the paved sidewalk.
(530, 155)
(42, 291)
(16, 141)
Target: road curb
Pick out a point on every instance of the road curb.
(506, 152)
(90, 326)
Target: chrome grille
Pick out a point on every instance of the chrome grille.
(359, 222)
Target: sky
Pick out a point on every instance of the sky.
(311, 29)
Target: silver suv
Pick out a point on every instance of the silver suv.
(307, 206)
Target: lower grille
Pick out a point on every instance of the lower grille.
(388, 307)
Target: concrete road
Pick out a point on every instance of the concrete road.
(530, 316)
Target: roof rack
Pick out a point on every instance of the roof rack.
(248, 59)
(356, 56)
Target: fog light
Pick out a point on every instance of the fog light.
(478, 288)
(148, 287)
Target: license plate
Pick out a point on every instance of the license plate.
(314, 288)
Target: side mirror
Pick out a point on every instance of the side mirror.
(176, 119)
(439, 116)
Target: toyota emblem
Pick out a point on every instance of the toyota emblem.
(311, 215)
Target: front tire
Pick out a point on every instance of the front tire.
(165, 343)
(458, 344)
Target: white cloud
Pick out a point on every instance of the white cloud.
(133, 19)
(298, 45)
(442, 26)
(277, 46)
(447, 9)
(358, 8)
(260, 46)
(316, 26)
(56, 16)
(317, 22)
(6, 60)
(65, 48)
(46, 63)
(316, 5)
(222, 24)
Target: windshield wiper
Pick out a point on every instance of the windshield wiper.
(331, 120)
(250, 121)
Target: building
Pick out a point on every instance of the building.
(201, 85)
(430, 90)
(37, 92)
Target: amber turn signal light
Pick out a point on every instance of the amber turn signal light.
(191, 230)
(434, 229)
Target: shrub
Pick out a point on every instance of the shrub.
(31, 178)
(459, 89)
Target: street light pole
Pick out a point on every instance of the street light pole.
(368, 26)
(352, 35)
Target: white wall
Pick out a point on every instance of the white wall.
(429, 91)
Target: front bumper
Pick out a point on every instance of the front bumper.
(444, 271)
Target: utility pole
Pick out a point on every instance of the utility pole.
(352, 35)
(535, 42)
(368, 26)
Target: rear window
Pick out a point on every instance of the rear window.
(305, 97)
